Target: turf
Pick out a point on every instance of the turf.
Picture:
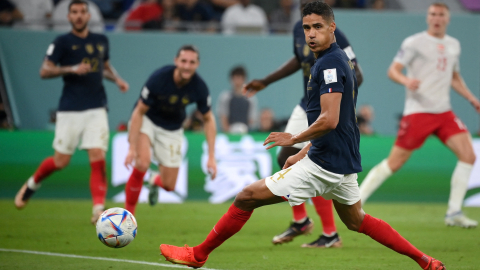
(62, 226)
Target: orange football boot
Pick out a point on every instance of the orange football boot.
(435, 265)
(180, 255)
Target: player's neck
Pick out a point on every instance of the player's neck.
(81, 34)
(439, 35)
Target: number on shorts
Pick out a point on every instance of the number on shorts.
(174, 153)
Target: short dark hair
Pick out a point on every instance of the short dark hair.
(439, 4)
(189, 47)
(77, 2)
(319, 8)
(238, 70)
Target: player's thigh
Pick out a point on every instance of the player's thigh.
(96, 131)
(143, 158)
(415, 129)
(461, 145)
(302, 181)
(68, 130)
(167, 147)
(297, 122)
(346, 192)
(255, 195)
(351, 215)
(398, 157)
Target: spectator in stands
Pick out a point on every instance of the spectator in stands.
(237, 113)
(267, 121)
(60, 21)
(36, 13)
(194, 11)
(9, 13)
(280, 19)
(244, 18)
(378, 4)
(147, 15)
(364, 120)
(219, 6)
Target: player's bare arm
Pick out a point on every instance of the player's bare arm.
(210, 129)
(285, 70)
(297, 157)
(458, 84)
(396, 75)
(111, 74)
(134, 131)
(50, 70)
(326, 122)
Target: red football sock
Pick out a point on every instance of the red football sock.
(46, 168)
(383, 233)
(299, 212)
(229, 224)
(325, 211)
(98, 182)
(132, 189)
(158, 181)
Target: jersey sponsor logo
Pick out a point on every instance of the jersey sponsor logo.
(89, 48)
(330, 75)
(145, 92)
(50, 49)
(349, 52)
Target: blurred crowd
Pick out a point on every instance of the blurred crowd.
(225, 16)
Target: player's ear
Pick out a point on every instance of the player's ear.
(333, 26)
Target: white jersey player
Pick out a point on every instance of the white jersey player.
(431, 59)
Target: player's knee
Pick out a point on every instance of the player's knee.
(61, 163)
(142, 165)
(353, 226)
(470, 158)
(245, 199)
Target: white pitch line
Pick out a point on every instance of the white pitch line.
(96, 258)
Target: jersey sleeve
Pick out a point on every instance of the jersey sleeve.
(106, 55)
(406, 53)
(204, 102)
(55, 51)
(344, 44)
(456, 65)
(152, 84)
(331, 78)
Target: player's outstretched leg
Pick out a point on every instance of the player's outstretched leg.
(47, 167)
(356, 220)
(301, 225)
(251, 197)
(98, 182)
(329, 238)
(133, 189)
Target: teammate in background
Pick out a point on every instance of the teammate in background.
(304, 59)
(156, 123)
(326, 167)
(82, 59)
(432, 62)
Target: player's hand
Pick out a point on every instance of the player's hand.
(129, 158)
(476, 104)
(279, 139)
(412, 84)
(81, 69)
(212, 167)
(122, 85)
(292, 160)
(253, 87)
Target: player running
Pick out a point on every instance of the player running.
(156, 123)
(326, 167)
(432, 62)
(304, 59)
(82, 59)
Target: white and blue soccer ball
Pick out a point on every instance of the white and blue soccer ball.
(116, 227)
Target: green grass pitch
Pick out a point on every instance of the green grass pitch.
(62, 226)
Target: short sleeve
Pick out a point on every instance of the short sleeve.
(456, 65)
(55, 51)
(406, 53)
(344, 44)
(146, 94)
(332, 80)
(204, 102)
(106, 55)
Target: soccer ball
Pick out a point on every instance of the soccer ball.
(116, 227)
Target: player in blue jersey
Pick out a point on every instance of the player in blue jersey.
(156, 123)
(304, 59)
(82, 59)
(327, 166)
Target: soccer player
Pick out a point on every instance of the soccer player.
(326, 167)
(156, 123)
(431, 59)
(304, 59)
(82, 59)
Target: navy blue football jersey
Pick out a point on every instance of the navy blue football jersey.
(306, 57)
(167, 102)
(81, 92)
(338, 150)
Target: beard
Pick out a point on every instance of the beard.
(80, 28)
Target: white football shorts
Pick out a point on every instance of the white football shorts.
(305, 180)
(166, 144)
(89, 126)
(296, 123)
